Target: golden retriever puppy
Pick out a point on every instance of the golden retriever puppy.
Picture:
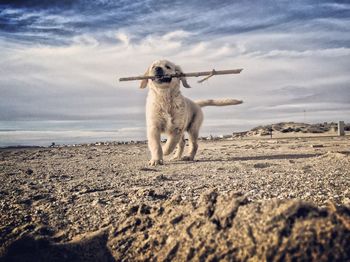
(169, 112)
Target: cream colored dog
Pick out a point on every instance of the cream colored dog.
(169, 112)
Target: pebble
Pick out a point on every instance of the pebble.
(29, 171)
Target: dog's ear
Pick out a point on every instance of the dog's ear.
(144, 82)
(182, 79)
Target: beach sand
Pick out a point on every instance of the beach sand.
(251, 198)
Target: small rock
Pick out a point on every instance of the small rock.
(161, 177)
(29, 171)
(261, 165)
(158, 194)
(177, 219)
(133, 210)
(145, 209)
(44, 231)
(316, 146)
(98, 202)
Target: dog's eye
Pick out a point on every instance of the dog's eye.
(167, 67)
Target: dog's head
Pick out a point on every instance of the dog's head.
(161, 69)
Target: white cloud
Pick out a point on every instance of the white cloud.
(123, 37)
(176, 35)
(326, 53)
(337, 6)
(85, 40)
(89, 70)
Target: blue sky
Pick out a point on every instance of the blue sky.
(60, 60)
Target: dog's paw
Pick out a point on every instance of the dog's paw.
(154, 162)
(187, 158)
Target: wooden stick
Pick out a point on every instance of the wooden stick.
(194, 74)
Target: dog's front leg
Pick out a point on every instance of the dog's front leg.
(173, 139)
(153, 135)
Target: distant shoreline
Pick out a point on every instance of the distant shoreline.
(277, 131)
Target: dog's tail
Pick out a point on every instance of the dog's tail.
(218, 102)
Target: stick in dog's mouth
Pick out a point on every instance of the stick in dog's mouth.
(162, 78)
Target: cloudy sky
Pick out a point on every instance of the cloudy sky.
(60, 59)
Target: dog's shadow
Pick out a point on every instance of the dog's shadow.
(250, 158)
(262, 157)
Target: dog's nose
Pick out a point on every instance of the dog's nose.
(158, 70)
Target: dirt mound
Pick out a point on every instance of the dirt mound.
(216, 227)
(230, 228)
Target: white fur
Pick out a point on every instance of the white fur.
(169, 112)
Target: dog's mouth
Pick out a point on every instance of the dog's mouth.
(162, 79)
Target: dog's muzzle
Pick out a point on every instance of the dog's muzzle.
(160, 77)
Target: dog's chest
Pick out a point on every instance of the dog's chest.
(167, 113)
(172, 115)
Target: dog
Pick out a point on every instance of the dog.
(169, 112)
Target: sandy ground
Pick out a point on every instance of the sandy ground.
(61, 195)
